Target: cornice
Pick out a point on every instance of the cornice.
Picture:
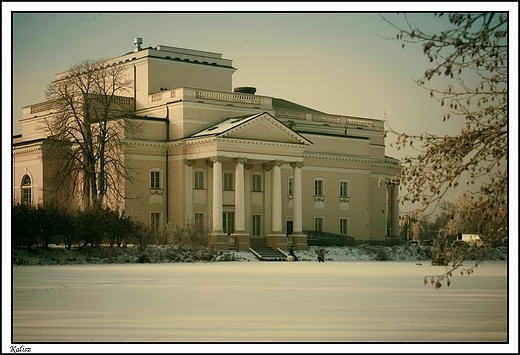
(150, 143)
(386, 166)
(338, 157)
(146, 144)
(199, 141)
(263, 143)
(202, 141)
(28, 150)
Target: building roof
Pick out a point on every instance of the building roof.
(288, 105)
(225, 125)
(259, 126)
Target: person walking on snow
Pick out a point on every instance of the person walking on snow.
(291, 253)
(321, 255)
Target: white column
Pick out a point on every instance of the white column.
(277, 197)
(240, 216)
(395, 210)
(217, 193)
(189, 189)
(297, 197)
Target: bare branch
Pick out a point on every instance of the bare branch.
(473, 56)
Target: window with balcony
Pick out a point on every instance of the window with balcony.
(155, 179)
(343, 188)
(318, 187)
(344, 194)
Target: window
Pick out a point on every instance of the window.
(343, 188)
(26, 190)
(256, 183)
(199, 179)
(290, 186)
(200, 219)
(256, 225)
(155, 221)
(318, 224)
(155, 179)
(228, 182)
(318, 187)
(343, 226)
(228, 222)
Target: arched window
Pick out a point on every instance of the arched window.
(26, 190)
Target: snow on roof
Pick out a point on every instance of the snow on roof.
(225, 125)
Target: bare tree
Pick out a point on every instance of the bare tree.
(192, 233)
(472, 55)
(466, 217)
(93, 112)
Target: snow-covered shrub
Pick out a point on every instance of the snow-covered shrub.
(144, 258)
(382, 254)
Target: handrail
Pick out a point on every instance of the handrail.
(339, 239)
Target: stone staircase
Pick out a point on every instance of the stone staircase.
(265, 253)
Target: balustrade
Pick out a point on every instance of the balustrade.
(326, 118)
(44, 106)
(230, 97)
(160, 96)
(157, 97)
(48, 105)
(316, 117)
(360, 122)
(290, 114)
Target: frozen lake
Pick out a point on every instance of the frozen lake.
(259, 302)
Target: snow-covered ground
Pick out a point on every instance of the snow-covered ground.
(337, 306)
(167, 254)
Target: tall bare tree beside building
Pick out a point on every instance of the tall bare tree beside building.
(93, 112)
(472, 57)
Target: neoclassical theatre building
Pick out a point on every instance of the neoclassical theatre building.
(254, 168)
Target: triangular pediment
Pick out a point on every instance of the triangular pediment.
(258, 127)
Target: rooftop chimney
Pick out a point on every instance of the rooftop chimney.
(138, 41)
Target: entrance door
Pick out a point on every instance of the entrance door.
(256, 238)
(228, 222)
(289, 227)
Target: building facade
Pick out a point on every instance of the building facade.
(254, 168)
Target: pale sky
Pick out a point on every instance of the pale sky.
(335, 61)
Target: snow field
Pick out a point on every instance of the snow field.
(257, 302)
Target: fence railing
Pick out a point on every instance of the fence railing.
(332, 239)
(328, 238)
(232, 242)
(387, 242)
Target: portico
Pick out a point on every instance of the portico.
(257, 209)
